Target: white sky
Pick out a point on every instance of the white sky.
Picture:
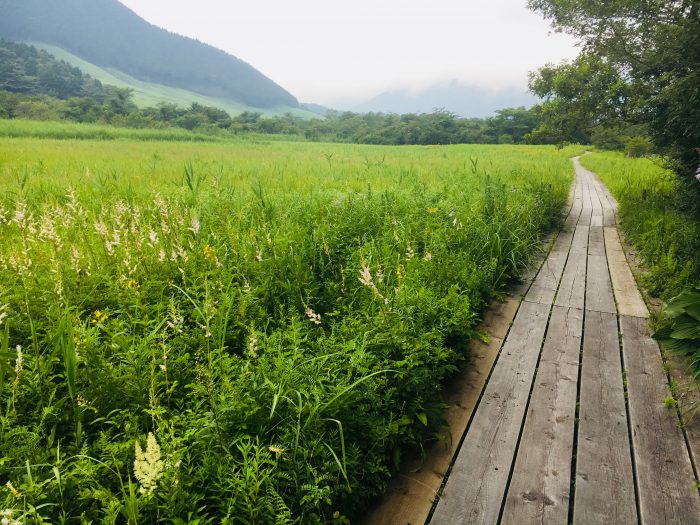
(331, 52)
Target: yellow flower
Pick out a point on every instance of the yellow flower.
(400, 272)
(99, 317)
(16, 493)
(131, 283)
(276, 450)
(209, 253)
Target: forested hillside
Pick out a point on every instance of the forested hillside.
(110, 35)
(25, 69)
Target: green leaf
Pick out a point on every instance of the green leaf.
(693, 311)
(678, 304)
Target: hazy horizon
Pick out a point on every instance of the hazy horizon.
(346, 55)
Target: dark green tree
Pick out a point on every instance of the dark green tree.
(578, 98)
(655, 46)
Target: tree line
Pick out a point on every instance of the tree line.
(35, 85)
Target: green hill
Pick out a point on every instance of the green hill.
(157, 64)
(149, 93)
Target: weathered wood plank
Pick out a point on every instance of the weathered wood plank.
(596, 205)
(664, 472)
(566, 235)
(596, 238)
(579, 245)
(629, 300)
(599, 295)
(572, 289)
(545, 286)
(476, 486)
(586, 214)
(608, 208)
(609, 217)
(563, 242)
(604, 477)
(539, 488)
(572, 218)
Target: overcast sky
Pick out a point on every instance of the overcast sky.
(333, 52)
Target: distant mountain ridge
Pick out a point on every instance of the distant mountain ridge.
(108, 34)
(457, 97)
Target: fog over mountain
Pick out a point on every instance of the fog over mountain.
(455, 96)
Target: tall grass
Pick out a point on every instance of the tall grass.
(17, 128)
(275, 326)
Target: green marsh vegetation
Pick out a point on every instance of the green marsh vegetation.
(243, 332)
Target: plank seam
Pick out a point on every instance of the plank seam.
(572, 482)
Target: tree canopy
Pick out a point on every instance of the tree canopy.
(649, 51)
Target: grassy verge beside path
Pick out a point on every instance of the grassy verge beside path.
(667, 239)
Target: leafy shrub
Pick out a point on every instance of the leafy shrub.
(638, 147)
(680, 332)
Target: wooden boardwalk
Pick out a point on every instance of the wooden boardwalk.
(571, 426)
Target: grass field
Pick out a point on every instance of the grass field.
(242, 332)
(18, 128)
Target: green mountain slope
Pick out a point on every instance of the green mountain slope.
(108, 35)
(150, 94)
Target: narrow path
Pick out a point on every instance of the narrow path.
(571, 426)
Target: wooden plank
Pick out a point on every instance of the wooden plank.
(609, 217)
(563, 242)
(580, 243)
(411, 493)
(476, 486)
(539, 488)
(599, 295)
(596, 205)
(545, 286)
(572, 219)
(608, 208)
(566, 235)
(629, 300)
(604, 477)
(585, 218)
(572, 289)
(664, 472)
(596, 239)
(587, 203)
